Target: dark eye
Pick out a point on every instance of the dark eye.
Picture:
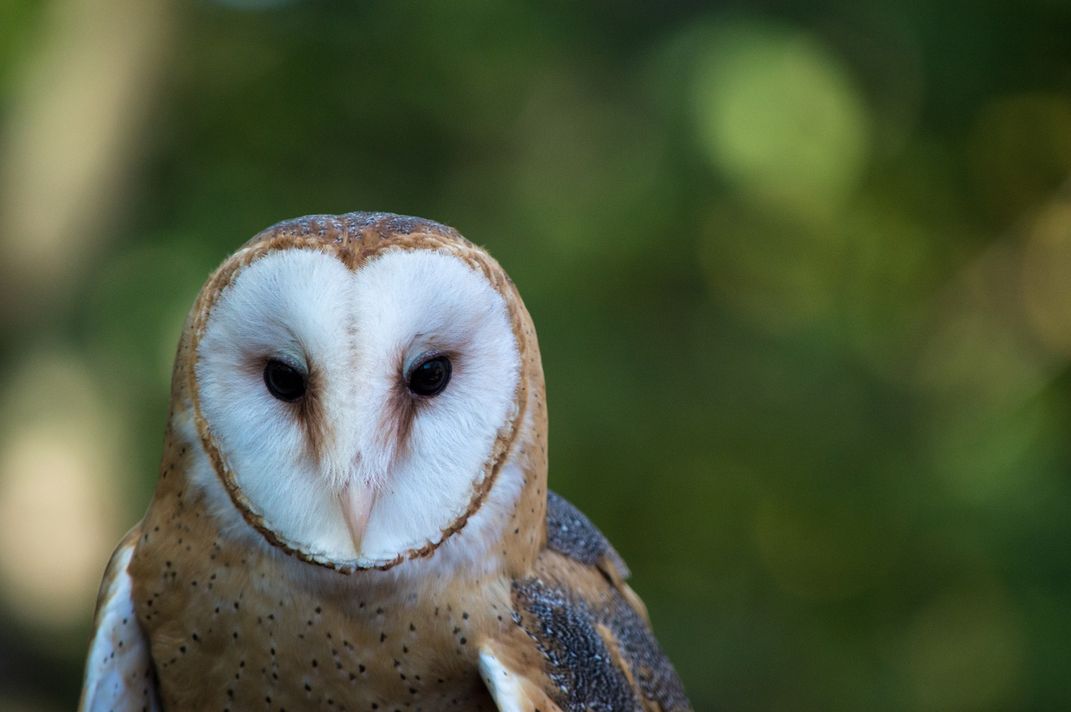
(283, 380)
(430, 376)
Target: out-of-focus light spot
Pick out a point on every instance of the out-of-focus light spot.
(984, 457)
(978, 352)
(254, 4)
(777, 114)
(1046, 276)
(965, 652)
(136, 309)
(819, 553)
(889, 270)
(982, 367)
(69, 137)
(59, 494)
(590, 179)
(1020, 151)
(778, 274)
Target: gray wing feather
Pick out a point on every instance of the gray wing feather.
(601, 653)
(571, 533)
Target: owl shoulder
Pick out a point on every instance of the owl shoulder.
(582, 638)
(571, 534)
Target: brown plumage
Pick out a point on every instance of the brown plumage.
(208, 605)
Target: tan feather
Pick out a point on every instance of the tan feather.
(236, 616)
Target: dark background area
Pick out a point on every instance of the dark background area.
(801, 273)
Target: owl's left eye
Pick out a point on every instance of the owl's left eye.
(283, 380)
(429, 376)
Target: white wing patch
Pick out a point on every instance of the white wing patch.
(119, 672)
(505, 687)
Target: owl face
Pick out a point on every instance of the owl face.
(356, 410)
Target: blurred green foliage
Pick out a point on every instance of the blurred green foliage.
(801, 273)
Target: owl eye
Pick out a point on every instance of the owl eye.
(430, 376)
(283, 380)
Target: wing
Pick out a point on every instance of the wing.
(582, 639)
(119, 670)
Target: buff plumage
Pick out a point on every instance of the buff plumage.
(365, 545)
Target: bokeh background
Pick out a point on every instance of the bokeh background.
(801, 273)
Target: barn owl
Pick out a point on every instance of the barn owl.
(352, 510)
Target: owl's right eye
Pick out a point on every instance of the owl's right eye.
(283, 380)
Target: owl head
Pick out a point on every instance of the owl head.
(359, 383)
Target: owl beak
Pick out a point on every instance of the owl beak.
(356, 505)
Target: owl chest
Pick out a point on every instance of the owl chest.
(230, 631)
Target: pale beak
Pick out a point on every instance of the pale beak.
(356, 505)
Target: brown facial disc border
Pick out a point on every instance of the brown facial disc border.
(355, 238)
